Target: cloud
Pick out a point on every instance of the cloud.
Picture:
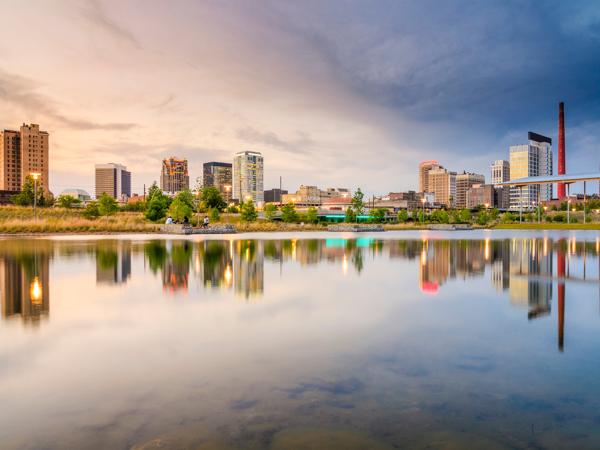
(21, 94)
(302, 144)
(94, 12)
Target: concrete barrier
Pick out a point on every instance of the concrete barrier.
(188, 229)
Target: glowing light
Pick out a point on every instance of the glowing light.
(487, 247)
(228, 275)
(35, 175)
(345, 265)
(36, 291)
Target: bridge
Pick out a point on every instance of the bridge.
(566, 179)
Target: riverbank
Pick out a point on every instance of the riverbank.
(548, 226)
(20, 220)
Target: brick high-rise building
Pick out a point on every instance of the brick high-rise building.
(424, 168)
(114, 180)
(23, 153)
(464, 181)
(174, 176)
(442, 184)
(218, 175)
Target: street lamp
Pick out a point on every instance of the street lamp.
(569, 210)
(423, 202)
(35, 176)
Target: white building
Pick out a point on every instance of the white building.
(531, 160)
(248, 177)
(500, 171)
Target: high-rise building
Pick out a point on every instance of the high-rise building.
(424, 169)
(218, 175)
(442, 184)
(174, 176)
(248, 177)
(531, 160)
(23, 153)
(500, 171)
(114, 180)
(464, 181)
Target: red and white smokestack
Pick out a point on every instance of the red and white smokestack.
(561, 149)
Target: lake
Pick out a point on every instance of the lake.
(480, 339)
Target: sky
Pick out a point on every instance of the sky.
(332, 93)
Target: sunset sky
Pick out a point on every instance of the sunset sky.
(333, 93)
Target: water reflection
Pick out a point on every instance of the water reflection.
(25, 280)
(300, 343)
(526, 271)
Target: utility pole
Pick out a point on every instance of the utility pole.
(144, 191)
(280, 194)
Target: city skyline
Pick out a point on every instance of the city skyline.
(138, 82)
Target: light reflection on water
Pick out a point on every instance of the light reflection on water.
(298, 343)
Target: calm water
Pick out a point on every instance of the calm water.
(313, 341)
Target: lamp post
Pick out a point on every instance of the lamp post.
(35, 176)
(423, 216)
(568, 210)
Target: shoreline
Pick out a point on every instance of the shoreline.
(309, 229)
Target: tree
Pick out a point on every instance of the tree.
(107, 205)
(248, 211)
(25, 197)
(288, 213)
(157, 204)
(439, 216)
(482, 218)
(153, 191)
(270, 210)
(187, 198)
(91, 210)
(508, 217)
(214, 215)
(233, 209)
(211, 198)
(350, 215)
(402, 216)
(357, 202)
(377, 215)
(67, 201)
(182, 206)
(464, 216)
(312, 215)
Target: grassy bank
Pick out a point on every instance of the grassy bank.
(548, 226)
(16, 219)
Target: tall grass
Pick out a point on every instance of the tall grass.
(15, 219)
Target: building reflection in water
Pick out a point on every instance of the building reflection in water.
(527, 271)
(113, 261)
(25, 280)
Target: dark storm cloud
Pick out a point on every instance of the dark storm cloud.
(491, 62)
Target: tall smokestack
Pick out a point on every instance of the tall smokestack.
(561, 149)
